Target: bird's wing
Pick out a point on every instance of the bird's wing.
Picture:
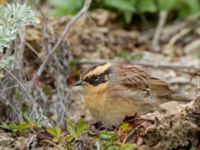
(158, 87)
(138, 79)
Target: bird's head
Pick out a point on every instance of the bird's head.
(96, 78)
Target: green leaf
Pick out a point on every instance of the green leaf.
(194, 6)
(71, 6)
(189, 7)
(126, 7)
(64, 7)
(124, 127)
(128, 17)
(167, 4)
(69, 138)
(128, 147)
(23, 126)
(82, 126)
(147, 6)
(71, 126)
(5, 126)
(113, 147)
(27, 118)
(56, 131)
(13, 17)
(123, 5)
(18, 127)
(108, 135)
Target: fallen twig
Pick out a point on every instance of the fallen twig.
(66, 30)
(147, 64)
(32, 48)
(177, 36)
(130, 134)
(174, 29)
(53, 144)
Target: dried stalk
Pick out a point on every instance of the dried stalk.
(68, 26)
(161, 23)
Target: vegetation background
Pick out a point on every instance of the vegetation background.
(45, 45)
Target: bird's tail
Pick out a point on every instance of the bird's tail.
(179, 97)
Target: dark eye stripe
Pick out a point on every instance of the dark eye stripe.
(101, 78)
(93, 81)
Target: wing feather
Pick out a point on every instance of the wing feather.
(138, 79)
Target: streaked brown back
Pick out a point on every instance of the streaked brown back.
(137, 78)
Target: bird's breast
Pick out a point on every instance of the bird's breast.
(107, 109)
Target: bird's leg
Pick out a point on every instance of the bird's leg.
(98, 126)
(129, 118)
(95, 128)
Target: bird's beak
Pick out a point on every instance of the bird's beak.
(78, 83)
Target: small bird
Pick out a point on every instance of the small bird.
(115, 91)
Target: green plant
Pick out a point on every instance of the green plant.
(108, 140)
(27, 123)
(22, 126)
(128, 147)
(128, 8)
(12, 18)
(18, 127)
(64, 7)
(76, 130)
(188, 7)
(56, 132)
(108, 136)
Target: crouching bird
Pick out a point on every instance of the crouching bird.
(115, 91)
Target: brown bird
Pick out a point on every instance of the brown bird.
(115, 91)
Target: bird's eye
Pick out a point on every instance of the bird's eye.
(95, 78)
